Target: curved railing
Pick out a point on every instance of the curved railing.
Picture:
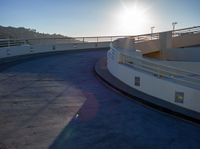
(46, 41)
(160, 70)
(97, 39)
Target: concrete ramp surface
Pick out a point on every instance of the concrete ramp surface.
(57, 102)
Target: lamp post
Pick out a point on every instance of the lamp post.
(174, 25)
(152, 28)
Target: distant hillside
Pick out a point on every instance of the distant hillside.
(21, 33)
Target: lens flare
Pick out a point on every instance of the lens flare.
(132, 19)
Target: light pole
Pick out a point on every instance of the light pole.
(152, 28)
(174, 25)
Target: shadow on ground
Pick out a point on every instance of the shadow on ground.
(58, 102)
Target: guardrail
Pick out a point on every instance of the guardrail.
(97, 39)
(160, 70)
(52, 41)
(187, 31)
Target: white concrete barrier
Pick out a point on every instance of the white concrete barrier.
(13, 51)
(165, 89)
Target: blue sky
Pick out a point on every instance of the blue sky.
(99, 17)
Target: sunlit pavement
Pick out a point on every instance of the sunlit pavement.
(57, 102)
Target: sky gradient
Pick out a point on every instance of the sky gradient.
(99, 17)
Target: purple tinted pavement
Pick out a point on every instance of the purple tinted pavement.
(58, 102)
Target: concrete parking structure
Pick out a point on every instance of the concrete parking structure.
(56, 101)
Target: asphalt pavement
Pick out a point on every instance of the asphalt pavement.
(58, 102)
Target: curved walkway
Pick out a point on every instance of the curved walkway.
(58, 102)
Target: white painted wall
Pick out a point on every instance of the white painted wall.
(33, 49)
(182, 54)
(186, 40)
(167, 42)
(153, 85)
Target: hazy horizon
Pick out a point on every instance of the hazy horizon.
(99, 17)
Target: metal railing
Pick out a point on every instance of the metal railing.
(186, 31)
(160, 70)
(155, 68)
(97, 39)
(44, 41)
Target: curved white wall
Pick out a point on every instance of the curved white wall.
(12, 51)
(153, 85)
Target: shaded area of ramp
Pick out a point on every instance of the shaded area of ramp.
(57, 102)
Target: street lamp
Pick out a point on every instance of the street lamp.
(152, 28)
(174, 25)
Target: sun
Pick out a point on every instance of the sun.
(132, 19)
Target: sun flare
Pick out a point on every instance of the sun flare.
(132, 19)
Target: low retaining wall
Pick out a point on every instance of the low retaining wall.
(13, 51)
(166, 90)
